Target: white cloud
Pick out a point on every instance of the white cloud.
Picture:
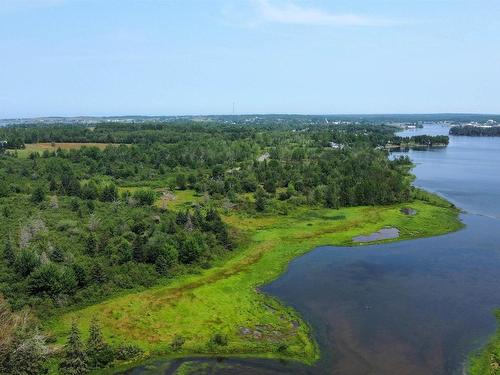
(289, 12)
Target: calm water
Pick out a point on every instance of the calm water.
(413, 307)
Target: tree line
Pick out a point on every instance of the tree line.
(475, 131)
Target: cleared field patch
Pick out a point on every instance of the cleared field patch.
(166, 199)
(225, 299)
(41, 147)
(178, 199)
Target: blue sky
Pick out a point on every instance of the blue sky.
(107, 57)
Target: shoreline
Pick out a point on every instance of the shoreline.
(225, 297)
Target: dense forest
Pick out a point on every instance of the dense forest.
(475, 131)
(80, 224)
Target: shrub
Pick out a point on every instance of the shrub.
(219, 339)
(66, 224)
(38, 195)
(26, 261)
(177, 343)
(126, 352)
(145, 197)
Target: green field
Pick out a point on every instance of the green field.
(225, 299)
(41, 147)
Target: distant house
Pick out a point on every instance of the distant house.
(264, 156)
(336, 146)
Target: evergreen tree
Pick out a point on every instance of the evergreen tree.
(57, 255)
(74, 360)
(97, 273)
(99, 353)
(4, 188)
(161, 265)
(260, 200)
(28, 355)
(8, 253)
(138, 249)
(91, 244)
(331, 197)
(109, 193)
(192, 248)
(89, 191)
(181, 182)
(80, 275)
(38, 195)
(215, 224)
(26, 261)
(52, 184)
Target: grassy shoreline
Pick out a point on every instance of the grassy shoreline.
(486, 361)
(225, 299)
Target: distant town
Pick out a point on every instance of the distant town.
(406, 121)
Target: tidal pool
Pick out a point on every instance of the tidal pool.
(382, 234)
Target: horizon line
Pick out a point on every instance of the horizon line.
(258, 114)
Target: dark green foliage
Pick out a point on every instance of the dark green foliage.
(53, 186)
(192, 248)
(282, 348)
(99, 353)
(109, 193)
(57, 255)
(69, 183)
(91, 244)
(332, 197)
(475, 131)
(167, 258)
(29, 356)
(214, 224)
(421, 140)
(75, 205)
(80, 275)
(38, 195)
(46, 279)
(126, 352)
(9, 255)
(26, 261)
(4, 188)
(181, 182)
(23, 348)
(260, 200)
(74, 361)
(177, 343)
(270, 186)
(122, 251)
(97, 274)
(144, 197)
(89, 191)
(219, 339)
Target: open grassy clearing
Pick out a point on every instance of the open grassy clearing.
(41, 147)
(175, 200)
(225, 298)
